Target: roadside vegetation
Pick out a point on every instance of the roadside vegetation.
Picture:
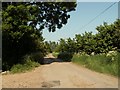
(23, 45)
(28, 62)
(27, 66)
(99, 52)
(104, 63)
(100, 63)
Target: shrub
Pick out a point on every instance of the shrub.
(37, 57)
(28, 65)
(65, 56)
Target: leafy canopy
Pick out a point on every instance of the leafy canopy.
(22, 25)
(50, 15)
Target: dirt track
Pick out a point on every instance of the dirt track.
(59, 75)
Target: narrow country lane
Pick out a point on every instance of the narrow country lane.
(59, 75)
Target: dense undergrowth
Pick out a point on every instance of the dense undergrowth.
(20, 68)
(29, 62)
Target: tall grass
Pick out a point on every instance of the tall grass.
(99, 63)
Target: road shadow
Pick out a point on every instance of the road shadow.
(51, 60)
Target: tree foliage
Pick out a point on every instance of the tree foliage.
(107, 39)
(50, 46)
(51, 15)
(22, 25)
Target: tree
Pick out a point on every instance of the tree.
(51, 15)
(108, 36)
(116, 38)
(88, 42)
(53, 45)
(107, 39)
(47, 46)
(62, 45)
(78, 42)
(22, 25)
(50, 46)
(71, 46)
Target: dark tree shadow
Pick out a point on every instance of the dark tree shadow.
(51, 60)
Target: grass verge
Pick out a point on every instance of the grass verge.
(99, 63)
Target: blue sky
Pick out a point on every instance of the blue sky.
(85, 12)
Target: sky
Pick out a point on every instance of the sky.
(85, 12)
